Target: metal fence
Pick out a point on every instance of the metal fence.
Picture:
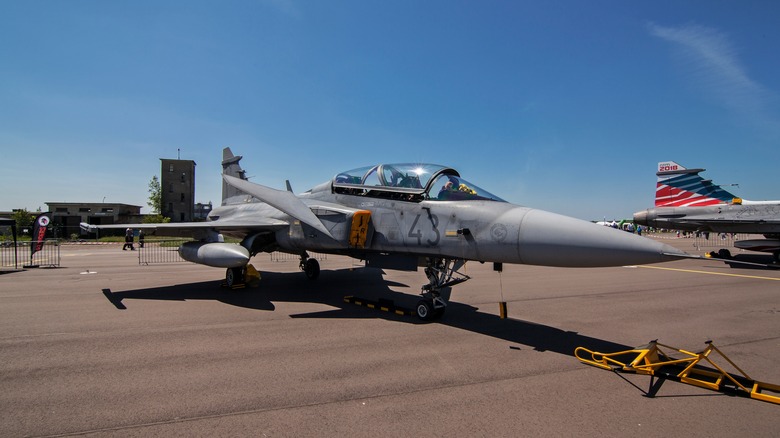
(18, 256)
(716, 240)
(277, 256)
(703, 240)
(160, 251)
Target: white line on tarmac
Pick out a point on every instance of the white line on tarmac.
(711, 273)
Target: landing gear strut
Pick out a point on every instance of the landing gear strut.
(310, 266)
(442, 274)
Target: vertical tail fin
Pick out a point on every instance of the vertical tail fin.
(231, 167)
(681, 187)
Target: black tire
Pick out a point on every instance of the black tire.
(425, 310)
(234, 276)
(312, 269)
(724, 254)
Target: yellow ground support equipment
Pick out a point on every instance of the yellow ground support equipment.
(653, 360)
(252, 276)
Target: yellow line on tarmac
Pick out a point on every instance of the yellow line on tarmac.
(710, 273)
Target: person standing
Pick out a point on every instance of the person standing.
(128, 240)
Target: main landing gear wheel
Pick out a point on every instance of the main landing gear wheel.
(234, 276)
(312, 269)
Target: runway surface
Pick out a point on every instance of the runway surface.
(105, 347)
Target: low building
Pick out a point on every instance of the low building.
(66, 216)
(201, 212)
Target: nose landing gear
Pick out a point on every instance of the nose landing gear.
(442, 274)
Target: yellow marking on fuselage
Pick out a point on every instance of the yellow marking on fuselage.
(710, 273)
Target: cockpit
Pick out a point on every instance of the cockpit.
(409, 182)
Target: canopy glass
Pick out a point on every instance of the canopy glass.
(410, 181)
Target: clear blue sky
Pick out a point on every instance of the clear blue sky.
(563, 105)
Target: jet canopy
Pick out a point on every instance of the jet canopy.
(409, 182)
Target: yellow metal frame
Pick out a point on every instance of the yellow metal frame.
(649, 360)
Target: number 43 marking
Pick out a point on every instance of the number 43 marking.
(417, 232)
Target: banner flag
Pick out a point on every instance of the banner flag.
(39, 232)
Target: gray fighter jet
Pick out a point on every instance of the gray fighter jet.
(397, 216)
(686, 201)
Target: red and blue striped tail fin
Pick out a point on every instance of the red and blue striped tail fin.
(681, 187)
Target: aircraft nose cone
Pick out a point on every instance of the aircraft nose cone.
(553, 240)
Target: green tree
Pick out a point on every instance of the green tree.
(155, 219)
(155, 202)
(23, 218)
(155, 195)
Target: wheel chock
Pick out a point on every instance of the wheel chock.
(252, 276)
(234, 287)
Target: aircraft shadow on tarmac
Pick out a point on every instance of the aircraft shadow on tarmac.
(762, 262)
(368, 283)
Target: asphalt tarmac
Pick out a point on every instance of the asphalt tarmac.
(105, 347)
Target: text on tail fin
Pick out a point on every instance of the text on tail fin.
(669, 167)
